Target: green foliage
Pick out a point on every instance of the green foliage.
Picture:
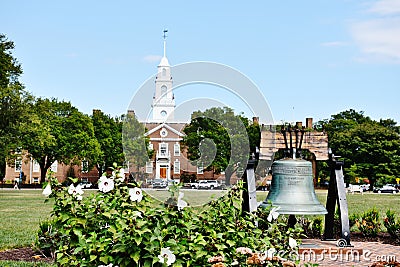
(135, 143)
(392, 225)
(368, 223)
(220, 140)
(14, 102)
(108, 132)
(312, 227)
(48, 238)
(58, 131)
(112, 227)
(371, 148)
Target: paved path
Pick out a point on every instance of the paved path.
(361, 254)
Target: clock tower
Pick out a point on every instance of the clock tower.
(163, 100)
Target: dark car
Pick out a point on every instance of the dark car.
(386, 189)
(160, 183)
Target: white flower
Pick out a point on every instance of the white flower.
(136, 194)
(244, 250)
(292, 243)
(136, 213)
(109, 265)
(166, 255)
(273, 214)
(47, 190)
(106, 184)
(181, 202)
(77, 191)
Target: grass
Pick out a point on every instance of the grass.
(22, 210)
(24, 264)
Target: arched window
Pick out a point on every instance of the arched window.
(163, 91)
(164, 72)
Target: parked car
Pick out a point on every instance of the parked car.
(365, 187)
(208, 184)
(194, 185)
(355, 188)
(86, 185)
(160, 183)
(386, 189)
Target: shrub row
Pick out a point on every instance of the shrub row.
(122, 226)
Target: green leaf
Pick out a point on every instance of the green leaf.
(93, 257)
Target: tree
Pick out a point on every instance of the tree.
(220, 141)
(108, 132)
(371, 148)
(135, 143)
(13, 102)
(58, 131)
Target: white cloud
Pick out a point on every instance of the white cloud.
(334, 43)
(71, 55)
(152, 58)
(385, 7)
(378, 38)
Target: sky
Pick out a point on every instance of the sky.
(308, 58)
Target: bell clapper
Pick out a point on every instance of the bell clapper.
(292, 221)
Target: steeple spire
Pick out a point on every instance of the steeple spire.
(165, 41)
(164, 60)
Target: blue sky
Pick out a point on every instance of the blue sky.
(309, 58)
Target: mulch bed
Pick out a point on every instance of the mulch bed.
(384, 238)
(23, 254)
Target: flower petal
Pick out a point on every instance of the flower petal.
(47, 190)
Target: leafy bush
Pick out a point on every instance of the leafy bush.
(122, 226)
(48, 238)
(368, 223)
(312, 227)
(392, 225)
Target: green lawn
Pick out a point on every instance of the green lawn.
(20, 214)
(22, 210)
(24, 264)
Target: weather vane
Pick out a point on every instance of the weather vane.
(165, 33)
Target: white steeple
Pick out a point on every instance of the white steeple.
(163, 101)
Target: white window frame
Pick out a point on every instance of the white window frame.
(149, 167)
(177, 167)
(200, 168)
(18, 165)
(162, 147)
(85, 162)
(36, 166)
(177, 149)
(54, 166)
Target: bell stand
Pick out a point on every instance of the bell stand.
(337, 194)
(249, 203)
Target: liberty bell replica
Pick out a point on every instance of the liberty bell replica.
(292, 187)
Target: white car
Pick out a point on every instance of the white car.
(86, 185)
(208, 184)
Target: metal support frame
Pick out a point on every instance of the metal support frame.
(249, 203)
(337, 194)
